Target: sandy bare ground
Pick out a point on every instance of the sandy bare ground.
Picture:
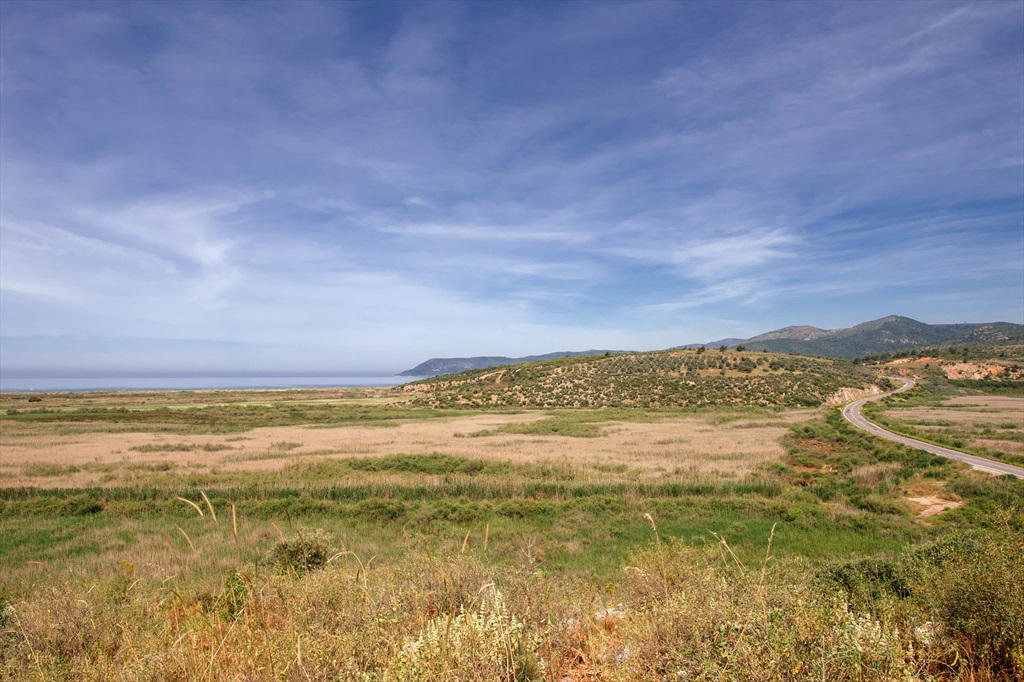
(691, 444)
(930, 506)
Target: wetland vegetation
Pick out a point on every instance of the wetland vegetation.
(331, 535)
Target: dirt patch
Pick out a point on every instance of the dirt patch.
(973, 370)
(931, 506)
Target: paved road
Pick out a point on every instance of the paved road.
(853, 415)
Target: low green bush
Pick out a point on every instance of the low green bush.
(82, 505)
(306, 551)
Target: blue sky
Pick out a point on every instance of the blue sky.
(360, 186)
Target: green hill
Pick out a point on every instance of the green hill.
(672, 378)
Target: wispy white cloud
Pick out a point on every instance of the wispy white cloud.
(744, 290)
(718, 258)
(489, 233)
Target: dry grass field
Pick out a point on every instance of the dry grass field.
(437, 473)
(992, 424)
(972, 408)
(696, 445)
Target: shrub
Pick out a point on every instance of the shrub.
(877, 504)
(975, 587)
(81, 505)
(868, 582)
(236, 591)
(303, 553)
(379, 509)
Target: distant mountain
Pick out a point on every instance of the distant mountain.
(436, 366)
(713, 344)
(878, 336)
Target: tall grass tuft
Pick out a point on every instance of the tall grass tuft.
(209, 506)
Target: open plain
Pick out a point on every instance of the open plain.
(728, 446)
(354, 535)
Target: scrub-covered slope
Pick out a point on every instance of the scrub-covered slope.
(672, 378)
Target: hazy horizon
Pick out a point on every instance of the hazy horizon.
(279, 186)
(99, 373)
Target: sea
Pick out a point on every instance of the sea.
(186, 383)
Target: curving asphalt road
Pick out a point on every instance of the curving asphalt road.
(853, 415)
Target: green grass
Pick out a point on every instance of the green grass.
(573, 426)
(590, 535)
(218, 418)
(590, 423)
(48, 470)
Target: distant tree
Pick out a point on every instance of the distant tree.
(741, 348)
(721, 349)
(701, 350)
